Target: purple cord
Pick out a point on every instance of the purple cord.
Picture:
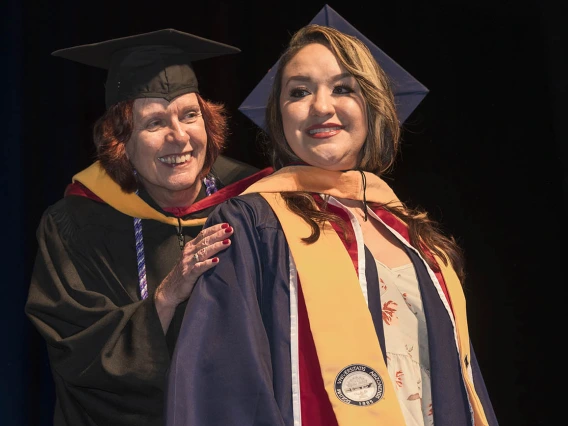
(210, 188)
(142, 283)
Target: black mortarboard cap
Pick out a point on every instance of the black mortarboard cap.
(149, 65)
(408, 92)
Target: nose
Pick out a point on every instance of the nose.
(178, 133)
(322, 103)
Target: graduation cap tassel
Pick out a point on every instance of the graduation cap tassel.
(364, 179)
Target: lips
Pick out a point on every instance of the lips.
(323, 131)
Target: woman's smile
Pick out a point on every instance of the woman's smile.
(175, 160)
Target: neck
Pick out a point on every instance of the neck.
(172, 199)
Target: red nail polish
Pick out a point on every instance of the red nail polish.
(225, 225)
(226, 241)
(215, 260)
(229, 229)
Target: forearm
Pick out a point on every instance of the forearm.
(164, 308)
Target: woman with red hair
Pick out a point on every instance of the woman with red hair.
(119, 255)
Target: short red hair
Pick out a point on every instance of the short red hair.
(113, 130)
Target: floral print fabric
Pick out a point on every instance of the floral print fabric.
(406, 340)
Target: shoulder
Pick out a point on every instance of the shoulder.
(249, 208)
(74, 215)
(228, 170)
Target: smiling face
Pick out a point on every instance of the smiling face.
(323, 110)
(168, 147)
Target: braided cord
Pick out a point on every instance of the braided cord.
(140, 259)
(210, 188)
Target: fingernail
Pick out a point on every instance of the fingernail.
(225, 225)
(215, 260)
(229, 229)
(226, 241)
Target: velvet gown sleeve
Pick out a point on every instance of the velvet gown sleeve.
(107, 350)
(231, 364)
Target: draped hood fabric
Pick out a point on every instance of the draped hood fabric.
(107, 351)
(268, 330)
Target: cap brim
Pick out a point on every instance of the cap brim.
(100, 54)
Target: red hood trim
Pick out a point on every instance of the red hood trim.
(77, 188)
(227, 192)
(232, 190)
(392, 221)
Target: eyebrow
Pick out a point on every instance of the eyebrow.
(150, 110)
(305, 78)
(158, 111)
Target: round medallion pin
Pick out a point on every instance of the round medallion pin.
(359, 384)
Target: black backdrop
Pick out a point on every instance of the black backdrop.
(483, 152)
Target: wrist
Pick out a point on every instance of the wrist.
(165, 309)
(163, 302)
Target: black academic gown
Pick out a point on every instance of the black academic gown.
(107, 351)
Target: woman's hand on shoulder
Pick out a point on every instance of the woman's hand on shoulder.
(198, 256)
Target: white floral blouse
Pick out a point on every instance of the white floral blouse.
(406, 340)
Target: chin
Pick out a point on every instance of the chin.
(333, 165)
(182, 185)
(187, 178)
(330, 161)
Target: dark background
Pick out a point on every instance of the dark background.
(484, 153)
